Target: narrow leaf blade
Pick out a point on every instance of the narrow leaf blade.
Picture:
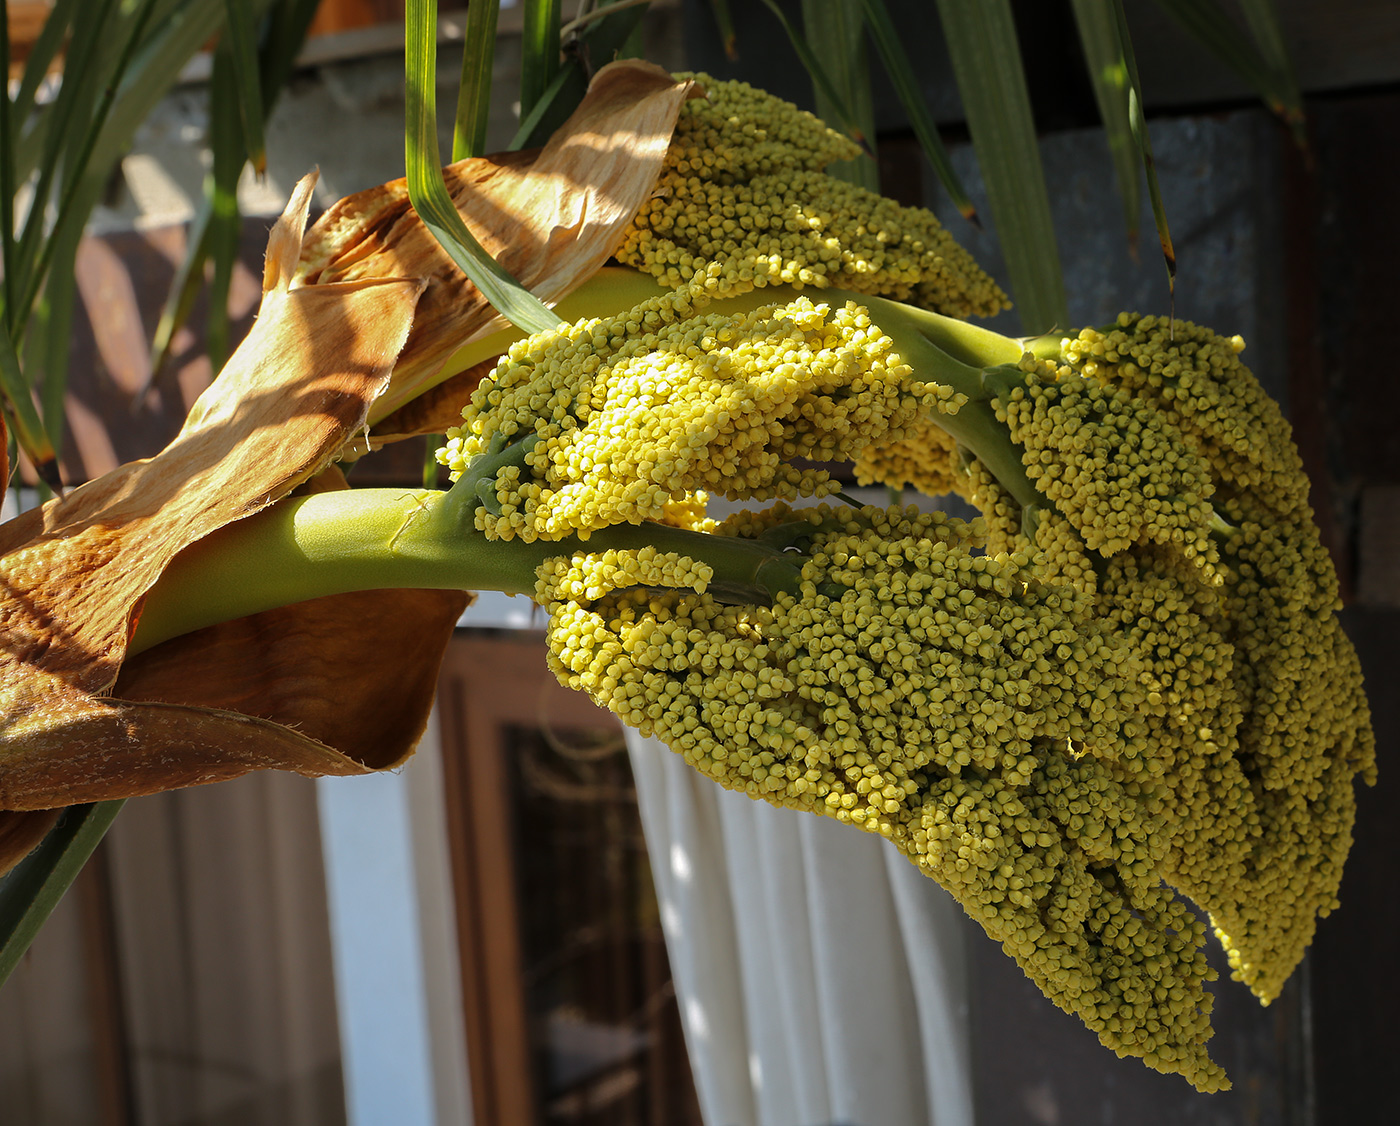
(32, 890)
(7, 183)
(554, 106)
(1219, 34)
(474, 93)
(606, 31)
(987, 65)
(285, 34)
(75, 92)
(184, 286)
(221, 191)
(41, 55)
(247, 86)
(287, 24)
(724, 20)
(841, 112)
(834, 31)
(1103, 53)
(901, 72)
(539, 51)
(76, 165)
(1144, 142)
(60, 298)
(1263, 20)
(173, 39)
(28, 426)
(593, 40)
(428, 191)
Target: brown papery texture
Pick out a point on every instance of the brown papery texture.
(20, 833)
(552, 218)
(338, 685)
(357, 319)
(356, 672)
(435, 411)
(73, 573)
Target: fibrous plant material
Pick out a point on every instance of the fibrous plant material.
(76, 572)
(358, 313)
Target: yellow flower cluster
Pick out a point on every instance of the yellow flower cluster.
(1162, 453)
(1063, 556)
(1156, 602)
(1129, 670)
(948, 700)
(737, 131)
(633, 416)
(1202, 388)
(925, 459)
(1003, 516)
(1304, 730)
(744, 188)
(1304, 733)
(593, 576)
(1110, 462)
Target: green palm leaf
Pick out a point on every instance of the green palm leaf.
(987, 65)
(428, 191)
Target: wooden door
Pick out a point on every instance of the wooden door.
(570, 1014)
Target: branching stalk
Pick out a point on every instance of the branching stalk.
(374, 539)
(959, 355)
(333, 543)
(939, 348)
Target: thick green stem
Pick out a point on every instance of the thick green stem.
(971, 344)
(959, 355)
(374, 539)
(1047, 347)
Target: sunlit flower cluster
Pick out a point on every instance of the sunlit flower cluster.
(744, 188)
(627, 417)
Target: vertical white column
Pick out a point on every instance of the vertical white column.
(438, 931)
(381, 982)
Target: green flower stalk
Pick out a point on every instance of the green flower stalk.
(372, 539)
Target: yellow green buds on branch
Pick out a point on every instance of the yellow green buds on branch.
(1111, 463)
(974, 716)
(623, 419)
(1211, 564)
(744, 189)
(1139, 678)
